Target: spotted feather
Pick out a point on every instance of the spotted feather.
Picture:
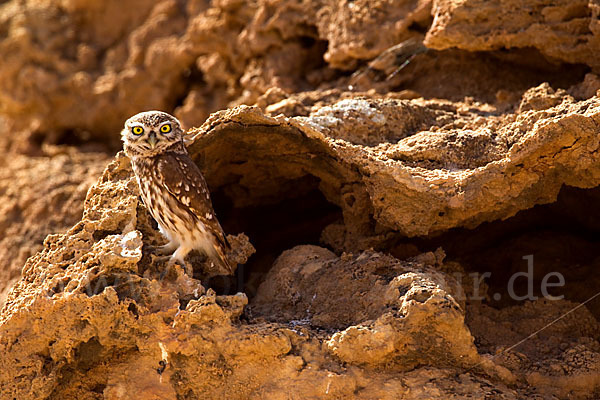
(181, 177)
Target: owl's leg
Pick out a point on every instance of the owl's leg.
(180, 254)
(168, 248)
(178, 257)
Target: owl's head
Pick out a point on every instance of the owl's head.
(151, 132)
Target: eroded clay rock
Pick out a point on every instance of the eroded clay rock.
(91, 279)
(361, 30)
(39, 196)
(191, 57)
(562, 358)
(390, 313)
(566, 30)
(94, 316)
(79, 48)
(464, 166)
(542, 98)
(97, 315)
(96, 307)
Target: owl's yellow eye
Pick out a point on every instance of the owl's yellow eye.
(137, 130)
(166, 128)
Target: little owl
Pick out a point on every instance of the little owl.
(172, 187)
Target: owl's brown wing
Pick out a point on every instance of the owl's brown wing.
(179, 175)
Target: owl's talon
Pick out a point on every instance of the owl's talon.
(170, 263)
(186, 267)
(173, 261)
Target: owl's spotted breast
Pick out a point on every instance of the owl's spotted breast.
(176, 222)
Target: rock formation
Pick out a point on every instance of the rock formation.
(384, 169)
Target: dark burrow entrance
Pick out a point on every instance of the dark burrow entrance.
(539, 243)
(273, 227)
(513, 257)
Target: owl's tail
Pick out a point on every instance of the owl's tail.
(219, 257)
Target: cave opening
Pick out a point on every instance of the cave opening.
(273, 226)
(535, 244)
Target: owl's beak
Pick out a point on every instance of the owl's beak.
(152, 139)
